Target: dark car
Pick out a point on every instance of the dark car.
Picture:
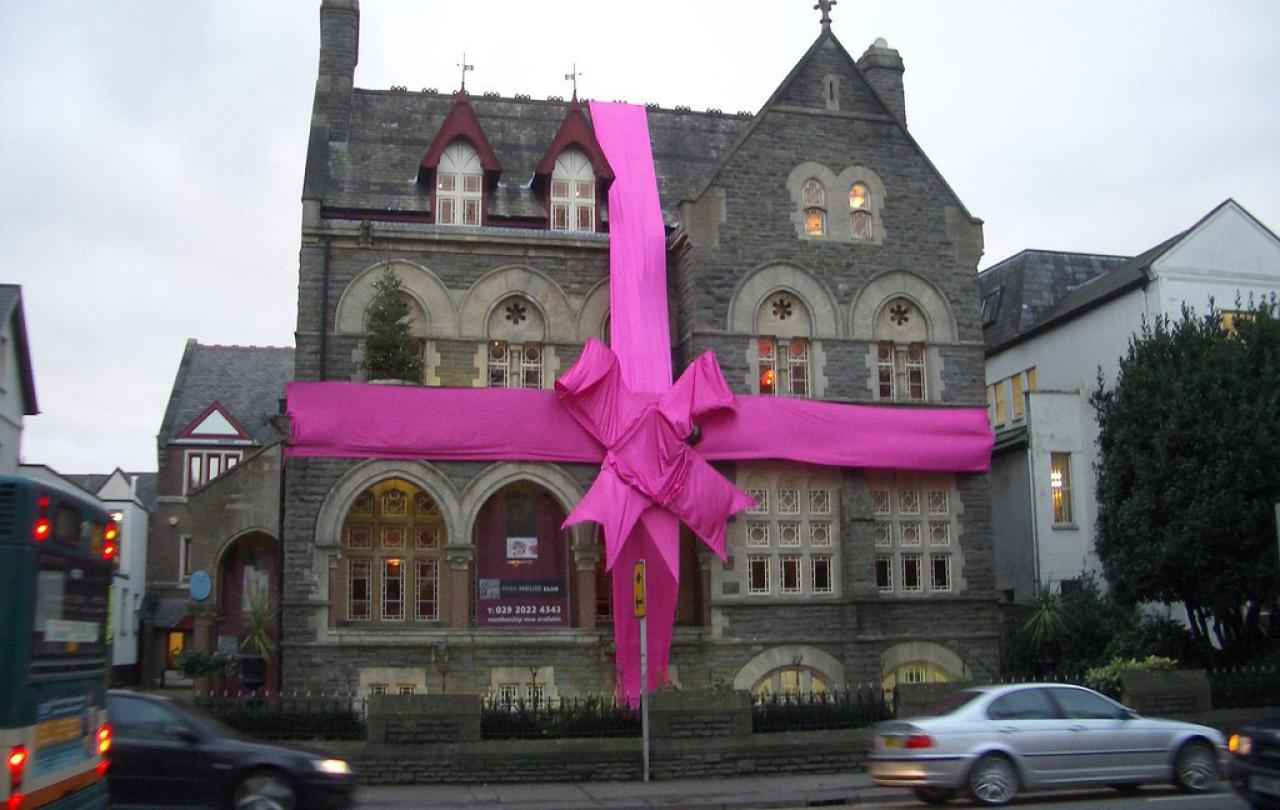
(1254, 766)
(166, 755)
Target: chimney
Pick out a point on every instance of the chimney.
(339, 52)
(882, 67)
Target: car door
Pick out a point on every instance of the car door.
(1110, 744)
(155, 757)
(1027, 723)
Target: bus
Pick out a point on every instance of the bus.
(57, 559)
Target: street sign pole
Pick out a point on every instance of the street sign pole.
(638, 582)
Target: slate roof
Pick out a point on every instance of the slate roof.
(391, 130)
(92, 482)
(247, 381)
(11, 307)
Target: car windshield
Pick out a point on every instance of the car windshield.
(951, 703)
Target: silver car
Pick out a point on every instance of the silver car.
(992, 741)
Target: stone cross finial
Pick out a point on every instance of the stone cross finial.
(573, 77)
(826, 5)
(465, 67)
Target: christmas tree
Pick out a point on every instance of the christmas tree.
(390, 352)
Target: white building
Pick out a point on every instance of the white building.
(1050, 322)
(17, 388)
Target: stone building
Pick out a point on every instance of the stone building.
(812, 245)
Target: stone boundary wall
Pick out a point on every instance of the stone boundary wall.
(611, 759)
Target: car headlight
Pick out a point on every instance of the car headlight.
(1240, 745)
(338, 767)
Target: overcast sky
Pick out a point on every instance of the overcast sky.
(151, 153)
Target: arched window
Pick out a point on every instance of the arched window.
(782, 348)
(900, 352)
(790, 683)
(393, 567)
(515, 354)
(459, 184)
(573, 193)
(522, 561)
(814, 198)
(860, 211)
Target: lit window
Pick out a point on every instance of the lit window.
(900, 369)
(573, 193)
(459, 179)
(393, 590)
(860, 211)
(784, 366)
(1060, 485)
(393, 515)
(814, 197)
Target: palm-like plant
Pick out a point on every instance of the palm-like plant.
(258, 618)
(1047, 623)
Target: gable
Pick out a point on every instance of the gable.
(805, 87)
(117, 487)
(215, 424)
(1227, 242)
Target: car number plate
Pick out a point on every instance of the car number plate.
(892, 742)
(1265, 784)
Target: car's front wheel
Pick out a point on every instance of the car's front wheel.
(934, 795)
(1195, 767)
(264, 790)
(993, 780)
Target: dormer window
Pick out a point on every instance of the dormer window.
(459, 184)
(573, 193)
(860, 211)
(815, 207)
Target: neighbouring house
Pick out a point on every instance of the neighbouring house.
(1051, 321)
(213, 545)
(17, 385)
(812, 245)
(130, 497)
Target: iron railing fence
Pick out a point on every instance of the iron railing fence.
(288, 716)
(814, 711)
(551, 718)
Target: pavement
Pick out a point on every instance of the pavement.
(807, 790)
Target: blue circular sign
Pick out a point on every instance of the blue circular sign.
(201, 586)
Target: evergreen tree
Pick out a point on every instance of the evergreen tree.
(391, 353)
(1189, 474)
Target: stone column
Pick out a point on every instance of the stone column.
(459, 558)
(585, 556)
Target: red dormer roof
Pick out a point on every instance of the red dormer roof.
(575, 130)
(461, 122)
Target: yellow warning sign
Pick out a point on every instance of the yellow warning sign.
(637, 580)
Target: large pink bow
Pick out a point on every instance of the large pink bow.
(648, 460)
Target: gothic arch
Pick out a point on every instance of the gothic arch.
(420, 284)
(775, 277)
(787, 655)
(922, 651)
(875, 186)
(496, 285)
(795, 183)
(899, 283)
(550, 477)
(230, 542)
(425, 476)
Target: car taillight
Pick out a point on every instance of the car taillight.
(17, 761)
(104, 739)
(918, 741)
